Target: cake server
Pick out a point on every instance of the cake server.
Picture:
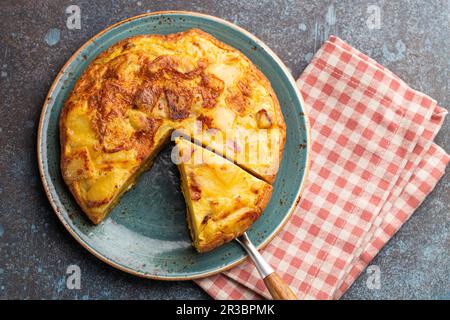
(276, 286)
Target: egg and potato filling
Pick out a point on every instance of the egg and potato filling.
(130, 99)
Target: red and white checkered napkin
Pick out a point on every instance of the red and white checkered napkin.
(373, 163)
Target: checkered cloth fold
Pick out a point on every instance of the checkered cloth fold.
(373, 163)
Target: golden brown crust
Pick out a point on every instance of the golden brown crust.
(223, 200)
(281, 124)
(221, 238)
(265, 197)
(127, 99)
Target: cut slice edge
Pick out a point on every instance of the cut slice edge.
(98, 214)
(222, 199)
(263, 163)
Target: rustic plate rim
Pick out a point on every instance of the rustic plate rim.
(98, 254)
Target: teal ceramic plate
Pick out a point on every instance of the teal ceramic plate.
(146, 234)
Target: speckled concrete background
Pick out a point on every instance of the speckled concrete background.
(35, 249)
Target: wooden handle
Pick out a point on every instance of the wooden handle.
(278, 288)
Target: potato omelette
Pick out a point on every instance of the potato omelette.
(133, 96)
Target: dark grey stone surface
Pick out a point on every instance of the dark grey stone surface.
(35, 249)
